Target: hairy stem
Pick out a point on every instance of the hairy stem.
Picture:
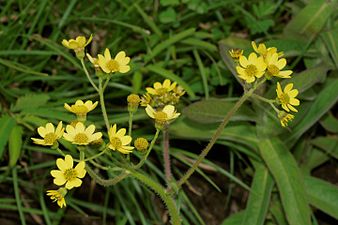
(103, 107)
(214, 138)
(160, 190)
(106, 182)
(166, 155)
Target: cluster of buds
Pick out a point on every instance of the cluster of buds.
(267, 63)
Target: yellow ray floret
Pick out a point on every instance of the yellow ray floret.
(49, 134)
(166, 115)
(236, 53)
(161, 89)
(78, 44)
(285, 118)
(80, 108)
(94, 61)
(275, 66)
(58, 196)
(118, 64)
(262, 50)
(80, 135)
(119, 141)
(251, 68)
(67, 174)
(287, 98)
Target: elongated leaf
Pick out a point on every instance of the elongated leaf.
(322, 195)
(330, 123)
(310, 20)
(20, 67)
(234, 219)
(328, 144)
(259, 199)
(324, 101)
(6, 125)
(331, 42)
(165, 44)
(30, 101)
(14, 145)
(214, 110)
(288, 178)
(170, 75)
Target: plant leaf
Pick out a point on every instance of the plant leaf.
(6, 125)
(30, 101)
(14, 145)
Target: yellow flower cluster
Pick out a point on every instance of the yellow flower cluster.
(104, 62)
(162, 94)
(268, 62)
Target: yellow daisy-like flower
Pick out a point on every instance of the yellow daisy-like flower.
(236, 53)
(58, 196)
(67, 174)
(251, 68)
(77, 45)
(146, 99)
(80, 108)
(285, 118)
(161, 89)
(80, 135)
(275, 65)
(119, 141)
(49, 134)
(263, 50)
(161, 117)
(287, 98)
(118, 64)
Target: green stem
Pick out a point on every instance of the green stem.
(263, 99)
(106, 182)
(140, 164)
(17, 196)
(214, 138)
(103, 107)
(82, 155)
(166, 155)
(160, 190)
(88, 76)
(130, 123)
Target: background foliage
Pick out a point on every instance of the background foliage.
(258, 173)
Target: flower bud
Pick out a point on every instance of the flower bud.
(141, 144)
(133, 102)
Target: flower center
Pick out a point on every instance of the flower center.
(284, 98)
(80, 109)
(161, 116)
(161, 91)
(116, 142)
(273, 70)
(70, 174)
(113, 65)
(50, 138)
(81, 138)
(251, 70)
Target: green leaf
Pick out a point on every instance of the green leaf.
(331, 42)
(324, 101)
(315, 158)
(20, 67)
(328, 144)
(330, 123)
(322, 195)
(168, 15)
(259, 199)
(169, 2)
(167, 43)
(310, 20)
(288, 178)
(170, 75)
(6, 125)
(264, 8)
(214, 110)
(15, 145)
(30, 101)
(234, 219)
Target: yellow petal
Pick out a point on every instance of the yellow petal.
(169, 109)
(56, 174)
(59, 181)
(150, 111)
(107, 55)
(50, 128)
(42, 131)
(124, 69)
(121, 132)
(69, 161)
(80, 169)
(243, 61)
(73, 183)
(294, 101)
(281, 63)
(292, 108)
(126, 140)
(90, 130)
(61, 164)
(288, 88)
(95, 136)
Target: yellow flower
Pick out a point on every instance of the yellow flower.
(236, 53)
(80, 108)
(67, 174)
(146, 99)
(118, 64)
(80, 135)
(251, 68)
(119, 141)
(49, 134)
(161, 89)
(164, 116)
(287, 98)
(58, 196)
(285, 118)
(263, 50)
(275, 65)
(78, 44)
(141, 144)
